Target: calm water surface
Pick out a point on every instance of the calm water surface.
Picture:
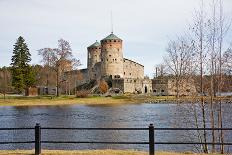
(131, 115)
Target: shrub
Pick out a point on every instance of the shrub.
(103, 86)
(82, 93)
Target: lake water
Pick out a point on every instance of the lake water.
(128, 115)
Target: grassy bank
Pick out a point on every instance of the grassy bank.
(70, 100)
(93, 152)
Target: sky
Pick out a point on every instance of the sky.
(145, 26)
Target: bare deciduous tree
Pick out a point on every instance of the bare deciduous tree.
(179, 61)
(59, 59)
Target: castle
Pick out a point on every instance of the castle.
(105, 60)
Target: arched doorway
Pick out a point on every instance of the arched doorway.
(145, 89)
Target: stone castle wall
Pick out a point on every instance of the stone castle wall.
(167, 86)
(132, 69)
(96, 71)
(131, 85)
(83, 76)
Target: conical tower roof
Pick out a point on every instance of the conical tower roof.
(111, 37)
(96, 44)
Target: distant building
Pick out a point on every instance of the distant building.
(166, 86)
(31, 91)
(105, 60)
(43, 90)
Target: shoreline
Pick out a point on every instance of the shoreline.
(95, 100)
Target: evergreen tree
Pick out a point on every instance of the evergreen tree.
(22, 73)
(17, 79)
(29, 76)
(21, 55)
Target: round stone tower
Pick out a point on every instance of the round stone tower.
(111, 57)
(94, 56)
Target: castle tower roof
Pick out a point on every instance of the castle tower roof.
(112, 37)
(96, 44)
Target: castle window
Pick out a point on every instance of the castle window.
(162, 91)
(154, 90)
(110, 40)
(110, 45)
(95, 55)
(114, 40)
(101, 59)
(124, 73)
(188, 90)
(106, 59)
(130, 73)
(134, 80)
(115, 59)
(95, 48)
(118, 49)
(109, 55)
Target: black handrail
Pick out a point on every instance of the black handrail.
(17, 128)
(37, 129)
(48, 128)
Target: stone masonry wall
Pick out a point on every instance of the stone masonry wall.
(132, 69)
(94, 57)
(132, 85)
(112, 58)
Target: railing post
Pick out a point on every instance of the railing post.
(151, 140)
(37, 139)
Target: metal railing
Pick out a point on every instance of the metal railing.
(151, 129)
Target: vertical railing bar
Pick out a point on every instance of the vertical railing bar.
(151, 140)
(37, 139)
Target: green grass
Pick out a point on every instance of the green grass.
(120, 97)
(69, 100)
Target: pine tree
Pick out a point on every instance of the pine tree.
(21, 55)
(29, 76)
(17, 79)
(22, 73)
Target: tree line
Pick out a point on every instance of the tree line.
(21, 74)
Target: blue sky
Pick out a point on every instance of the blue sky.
(145, 26)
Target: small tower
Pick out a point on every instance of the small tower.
(94, 53)
(111, 57)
